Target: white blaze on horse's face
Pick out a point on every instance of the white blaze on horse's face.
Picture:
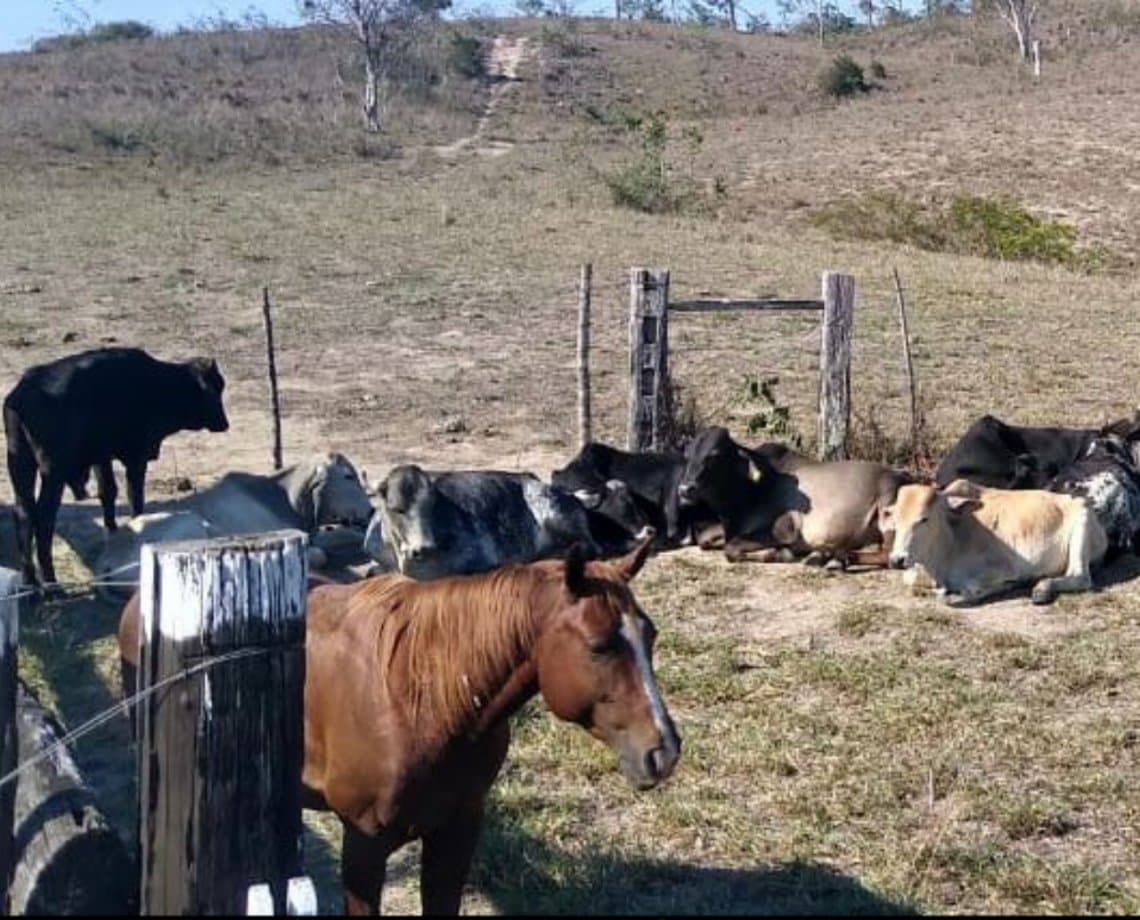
(636, 630)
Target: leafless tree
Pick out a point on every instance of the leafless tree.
(1019, 15)
(379, 25)
(867, 8)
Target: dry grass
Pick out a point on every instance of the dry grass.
(846, 748)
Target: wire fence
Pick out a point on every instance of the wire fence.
(123, 708)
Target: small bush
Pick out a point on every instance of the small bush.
(1002, 229)
(465, 55)
(646, 183)
(878, 71)
(843, 77)
(125, 30)
(768, 417)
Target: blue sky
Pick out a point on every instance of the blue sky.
(23, 21)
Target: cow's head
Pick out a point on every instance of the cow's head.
(715, 468)
(337, 494)
(921, 518)
(408, 499)
(208, 409)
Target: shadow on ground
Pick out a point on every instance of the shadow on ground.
(520, 874)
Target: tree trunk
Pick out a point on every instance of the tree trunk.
(819, 19)
(617, 9)
(730, 8)
(371, 106)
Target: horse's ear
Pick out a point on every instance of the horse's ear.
(630, 564)
(576, 570)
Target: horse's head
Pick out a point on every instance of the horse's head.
(595, 666)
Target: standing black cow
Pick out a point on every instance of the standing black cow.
(596, 476)
(85, 410)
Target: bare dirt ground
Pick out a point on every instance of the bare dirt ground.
(846, 746)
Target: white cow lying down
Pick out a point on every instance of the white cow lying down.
(974, 542)
(323, 490)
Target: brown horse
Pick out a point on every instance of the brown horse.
(409, 687)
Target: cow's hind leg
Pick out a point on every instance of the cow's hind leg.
(108, 492)
(363, 865)
(1087, 544)
(22, 471)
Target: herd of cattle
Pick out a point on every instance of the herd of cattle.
(1009, 506)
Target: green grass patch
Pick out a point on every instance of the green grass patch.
(990, 227)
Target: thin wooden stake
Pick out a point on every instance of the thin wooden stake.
(909, 365)
(278, 462)
(585, 432)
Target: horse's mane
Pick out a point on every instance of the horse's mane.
(456, 639)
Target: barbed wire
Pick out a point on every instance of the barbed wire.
(123, 708)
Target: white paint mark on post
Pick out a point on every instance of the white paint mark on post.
(259, 901)
(301, 899)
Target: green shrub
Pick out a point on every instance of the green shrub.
(125, 30)
(768, 416)
(1002, 229)
(878, 71)
(995, 228)
(843, 77)
(465, 55)
(643, 183)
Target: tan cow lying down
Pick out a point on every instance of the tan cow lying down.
(975, 542)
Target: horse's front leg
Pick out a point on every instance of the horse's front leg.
(447, 859)
(363, 863)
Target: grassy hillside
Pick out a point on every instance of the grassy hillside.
(847, 747)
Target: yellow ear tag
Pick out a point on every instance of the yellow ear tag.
(754, 472)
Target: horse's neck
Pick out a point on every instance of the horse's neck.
(484, 671)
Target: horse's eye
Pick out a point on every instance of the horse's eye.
(607, 645)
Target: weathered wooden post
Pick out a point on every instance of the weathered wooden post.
(220, 751)
(648, 357)
(585, 431)
(10, 584)
(835, 365)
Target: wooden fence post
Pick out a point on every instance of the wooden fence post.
(648, 357)
(220, 751)
(585, 431)
(835, 365)
(10, 585)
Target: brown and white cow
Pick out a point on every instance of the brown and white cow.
(974, 542)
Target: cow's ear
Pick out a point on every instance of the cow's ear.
(630, 564)
(960, 504)
(755, 473)
(963, 488)
(381, 489)
(576, 582)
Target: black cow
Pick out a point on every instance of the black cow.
(650, 497)
(1000, 456)
(776, 500)
(86, 410)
